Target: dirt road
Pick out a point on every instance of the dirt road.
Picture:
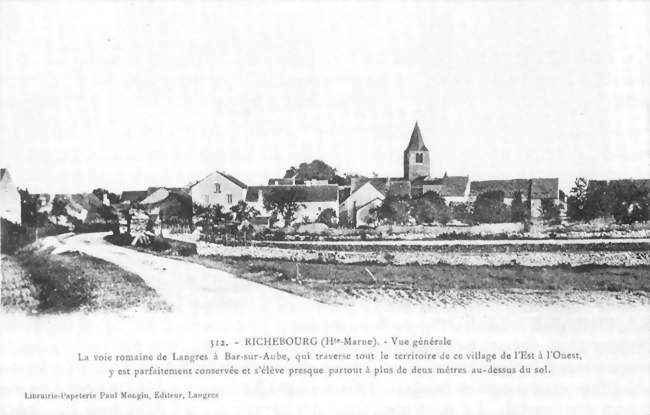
(190, 287)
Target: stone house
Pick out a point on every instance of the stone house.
(9, 198)
(534, 190)
(218, 188)
(314, 199)
(454, 189)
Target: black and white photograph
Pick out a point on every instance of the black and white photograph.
(326, 207)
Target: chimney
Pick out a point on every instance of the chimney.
(354, 183)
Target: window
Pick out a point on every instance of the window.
(419, 158)
(217, 187)
(229, 198)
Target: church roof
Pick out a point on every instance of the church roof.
(416, 143)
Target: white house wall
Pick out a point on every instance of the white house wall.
(310, 209)
(203, 192)
(361, 196)
(9, 199)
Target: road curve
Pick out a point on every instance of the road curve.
(190, 287)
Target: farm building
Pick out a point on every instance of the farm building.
(534, 190)
(453, 189)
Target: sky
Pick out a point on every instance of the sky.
(130, 94)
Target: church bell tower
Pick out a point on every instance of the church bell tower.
(416, 157)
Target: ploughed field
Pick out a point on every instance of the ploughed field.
(443, 285)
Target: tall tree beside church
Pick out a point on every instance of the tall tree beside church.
(317, 170)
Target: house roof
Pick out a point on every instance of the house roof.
(642, 183)
(301, 193)
(156, 196)
(224, 174)
(536, 188)
(544, 188)
(508, 187)
(416, 143)
(395, 186)
(282, 181)
(133, 195)
(162, 193)
(448, 186)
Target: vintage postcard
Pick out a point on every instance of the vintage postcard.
(283, 207)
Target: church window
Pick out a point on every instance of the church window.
(419, 158)
(217, 187)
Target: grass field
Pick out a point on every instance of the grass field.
(46, 283)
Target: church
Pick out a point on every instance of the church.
(368, 193)
(417, 170)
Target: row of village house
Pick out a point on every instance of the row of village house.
(352, 203)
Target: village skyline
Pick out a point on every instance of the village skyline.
(92, 97)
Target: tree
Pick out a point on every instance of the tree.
(317, 170)
(393, 210)
(576, 199)
(630, 201)
(210, 216)
(243, 212)
(328, 217)
(112, 197)
(519, 209)
(29, 209)
(550, 211)
(284, 201)
(430, 207)
(126, 212)
(462, 212)
(59, 205)
(489, 208)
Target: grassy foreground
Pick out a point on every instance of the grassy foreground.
(36, 281)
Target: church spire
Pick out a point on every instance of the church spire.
(416, 143)
(416, 156)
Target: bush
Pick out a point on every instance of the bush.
(462, 212)
(489, 208)
(15, 236)
(430, 207)
(393, 210)
(520, 209)
(328, 217)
